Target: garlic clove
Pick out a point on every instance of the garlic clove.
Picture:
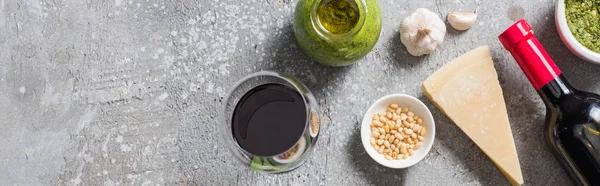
(462, 20)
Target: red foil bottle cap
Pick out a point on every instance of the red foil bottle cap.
(516, 33)
(529, 54)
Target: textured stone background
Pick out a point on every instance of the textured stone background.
(127, 92)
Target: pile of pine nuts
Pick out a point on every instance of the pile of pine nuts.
(396, 133)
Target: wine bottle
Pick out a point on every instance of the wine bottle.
(572, 116)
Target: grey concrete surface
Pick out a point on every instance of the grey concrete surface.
(127, 92)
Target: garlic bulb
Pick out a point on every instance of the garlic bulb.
(422, 32)
(462, 20)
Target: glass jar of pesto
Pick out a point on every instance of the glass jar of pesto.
(337, 32)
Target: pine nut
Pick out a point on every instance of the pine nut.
(394, 106)
(396, 142)
(377, 123)
(390, 110)
(392, 138)
(410, 114)
(382, 119)
(380, 142)
(394, 132)
(373, 141)
(389, 115)
(381, 150)
(375, 117)
(423, 131)
(403, 117)
(417, 128)
(405, 123)
(413, 135)
(410, 141)
(420, 138)
(394, 116)
(397, 151)
(381, 131)
(408, 131)
(398, 136)
(387, 128)
(399, 110)
(404, 110)
(420, 121)
(388, 157)
(411, 152)
(375, 134)
(389, 122)
(418, 145)
(405, 155)
(409, 119)
(381, 136)
(386, 143)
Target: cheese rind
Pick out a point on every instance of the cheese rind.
(467, 90)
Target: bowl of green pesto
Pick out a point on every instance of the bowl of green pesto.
(337, 32)
(578, 24)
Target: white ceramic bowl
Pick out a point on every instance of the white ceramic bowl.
(568, 38)
(414, 105)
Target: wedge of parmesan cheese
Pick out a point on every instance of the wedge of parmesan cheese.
(468, 92)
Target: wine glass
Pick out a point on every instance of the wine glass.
(289, 159)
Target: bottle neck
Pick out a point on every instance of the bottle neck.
(529, 54)
(535, 62)
(555, 90)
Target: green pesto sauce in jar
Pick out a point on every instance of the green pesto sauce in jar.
(338, 16)
(584, 22)
(337, 32)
